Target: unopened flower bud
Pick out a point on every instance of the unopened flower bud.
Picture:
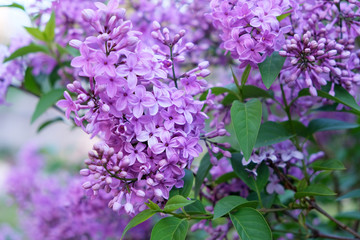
(75, 43)
(156, 25)
(87, 185)
(84, 172)
(88, 14)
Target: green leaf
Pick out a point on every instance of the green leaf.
(327, 165)
(36, 33)
(245, 75)
(195, 207)
(14, 5)
(46, 101)
(262, 178)
(141, 217)
(176, 202)
(229, 99)
(352, 194)
(246, 119)
(170, 228)
(250, 91)
(49, 31)
(315, 190)
(341, 96)
(271, 133)
(251, 225)
(54, 76)
(153, 205)
(230, 203)
(231, 89)
(225, 177)
(32, 48)
(188, 183)
(173, 192)
(254, 184)
(296, 127)
(270, 68)
(353, 215)
(204, 168)
(282, 16)
(48, 123)
(30, 83)
(327, 124)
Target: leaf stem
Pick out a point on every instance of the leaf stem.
(314, 205)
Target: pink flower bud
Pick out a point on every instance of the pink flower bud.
(88, 15)
(87, 185)
(84, 172)
(156, 25)
(75, 44)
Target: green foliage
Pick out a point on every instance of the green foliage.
(230, 203)
(195, 208)
(153, 205)
(176, 202)
(314, 190)
(251, 225)
(271, 133)
(341, 96)
(49, 31)
(351, 194)
(296, 127)
(48, 123)
(245, 75)
(353, 215)
(327, 124)
(36, 33)
(32, 48)
(46, 101)
(282, 16)
(327, 165)
(30, 83)
(141, 217)
(255, 184)
(246, 119)
(170, 228)
(270, 68)
(14, 5)
(225, 177)
(204, 168)
(250, 91)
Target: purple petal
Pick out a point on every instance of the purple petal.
(158, 148)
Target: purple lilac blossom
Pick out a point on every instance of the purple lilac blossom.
(250, 29)
(150, 127)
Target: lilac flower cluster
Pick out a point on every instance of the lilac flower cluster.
(315, 61)
(250, 29)
(57, 207)
(181, 15)
(320, 51)
(287, 158)
(145, 114)
(11, 72)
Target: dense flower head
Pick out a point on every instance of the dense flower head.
(250, 29)
(316, 60)
(145, 114)
(321, 47)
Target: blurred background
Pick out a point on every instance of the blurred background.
(16, 130)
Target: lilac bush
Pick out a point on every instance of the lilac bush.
(214, 118)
